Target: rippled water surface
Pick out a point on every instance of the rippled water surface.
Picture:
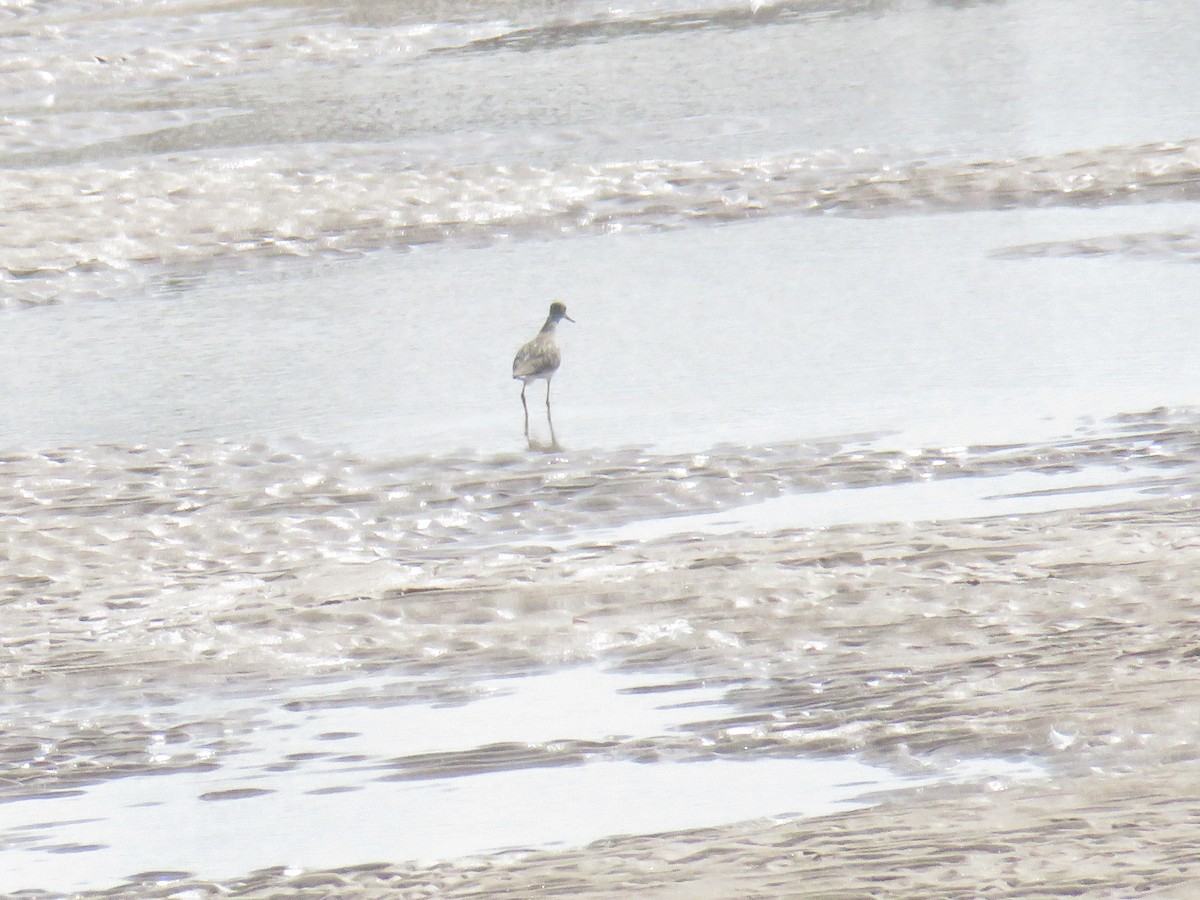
(867, 560)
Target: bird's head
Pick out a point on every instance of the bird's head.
(559, 311)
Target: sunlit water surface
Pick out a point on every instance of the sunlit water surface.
(878, 454)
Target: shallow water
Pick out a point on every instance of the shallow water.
(925, 500)
(556, 759)
(248, 133)
(682, 340)
(871, 543)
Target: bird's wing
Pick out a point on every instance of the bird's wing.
(535, 358)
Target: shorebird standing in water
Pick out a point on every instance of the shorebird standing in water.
(540, 359)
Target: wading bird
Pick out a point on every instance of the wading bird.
(540, 359)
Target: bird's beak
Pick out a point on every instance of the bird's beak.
(568, 318)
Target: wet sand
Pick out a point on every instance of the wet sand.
(861, 574)
(913, 645)
(963, 675)
(1102, 836)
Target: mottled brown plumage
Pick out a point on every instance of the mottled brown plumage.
(540, 358)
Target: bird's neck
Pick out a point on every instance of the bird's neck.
(548, 328)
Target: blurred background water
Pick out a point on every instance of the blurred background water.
(773, 220)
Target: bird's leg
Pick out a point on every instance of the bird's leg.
(525, 406)
(553, 439)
